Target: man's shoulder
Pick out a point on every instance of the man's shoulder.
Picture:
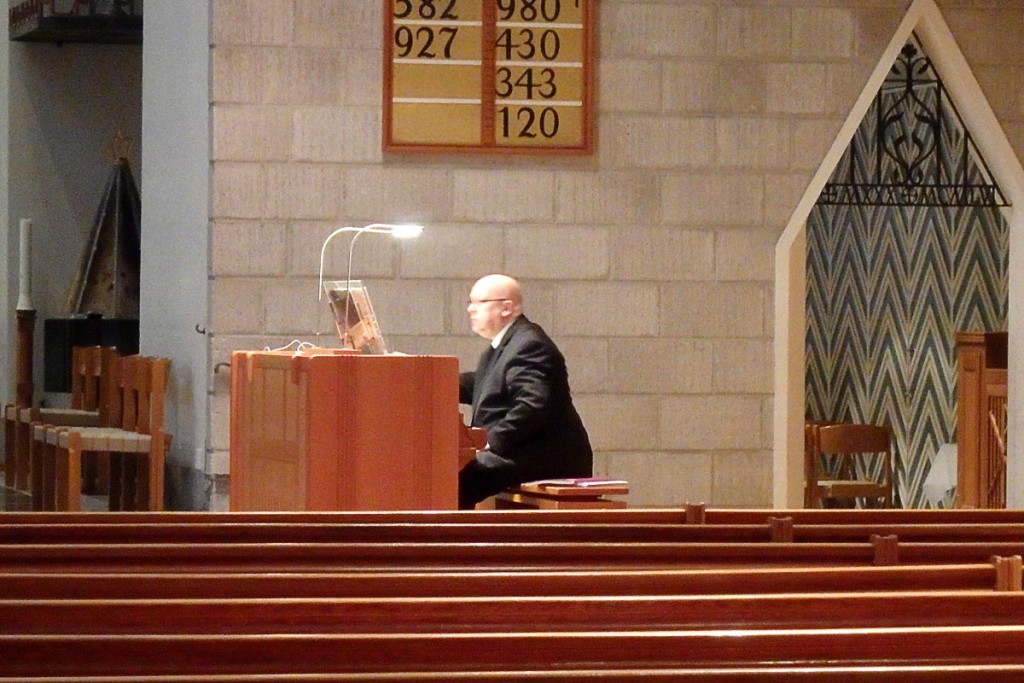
(528, 336)
(525, 329)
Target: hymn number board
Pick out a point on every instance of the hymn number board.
(489, 75)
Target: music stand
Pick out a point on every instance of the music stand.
(353, 316)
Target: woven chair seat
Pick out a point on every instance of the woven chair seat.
(66, 417)
(103, 440)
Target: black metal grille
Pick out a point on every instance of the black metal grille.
(918, 153)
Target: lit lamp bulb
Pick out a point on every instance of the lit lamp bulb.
(406, 230)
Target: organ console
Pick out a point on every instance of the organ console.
(334, 429)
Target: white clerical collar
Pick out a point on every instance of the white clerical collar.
(501, 335)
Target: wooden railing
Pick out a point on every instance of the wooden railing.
(981, 419)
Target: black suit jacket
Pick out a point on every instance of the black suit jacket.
(520, 395)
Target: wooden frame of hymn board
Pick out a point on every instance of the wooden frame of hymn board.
(489, 76)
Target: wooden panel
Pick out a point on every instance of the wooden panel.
(994, 448)
(981, 394)
(343, 431)
(270, 465)
(968, 407)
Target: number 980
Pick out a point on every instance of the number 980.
(529, 10)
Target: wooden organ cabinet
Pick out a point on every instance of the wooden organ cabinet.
(340, 430)
(981, 419)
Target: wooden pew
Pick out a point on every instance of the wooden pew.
(400, 532)
(244, 557)
(926, 673)
(697, 515)
(878, 636)
(190, 655)
(775, 530)
(691, 514)
(629, 515)
(992, 575)
(931, 673)
(512, 613)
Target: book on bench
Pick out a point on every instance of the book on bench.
(578, 486)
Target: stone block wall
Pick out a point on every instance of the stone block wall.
(651, 262)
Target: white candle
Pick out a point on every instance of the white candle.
(24, 267)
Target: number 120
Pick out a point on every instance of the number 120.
(528, 122)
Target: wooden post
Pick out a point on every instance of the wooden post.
(695, 513)
(1008, 573)
(23, 387)
(781, 529)
(886, 550)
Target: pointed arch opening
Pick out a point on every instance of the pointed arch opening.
(924, 23)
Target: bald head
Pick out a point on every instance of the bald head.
(499, 286)
(495, 301)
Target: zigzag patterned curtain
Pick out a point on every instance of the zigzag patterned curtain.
(889, 285)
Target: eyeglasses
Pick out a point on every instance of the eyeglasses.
(477, 302)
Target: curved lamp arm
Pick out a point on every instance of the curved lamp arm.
(399, 231)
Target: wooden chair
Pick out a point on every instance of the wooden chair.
(850, 443)
(812, 457)
(87, 378)
(132, 436)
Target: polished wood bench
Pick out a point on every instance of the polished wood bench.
(188, 557)
(776, 530)
(699, 514)
(512, 613)
(187, 655)
(594, 609)
(277, 620)
(689, 514)
(513, 556)
(482, 517)
(370, 532)
(965, 672)
(1002, 574)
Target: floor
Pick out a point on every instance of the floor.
(12, 500)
